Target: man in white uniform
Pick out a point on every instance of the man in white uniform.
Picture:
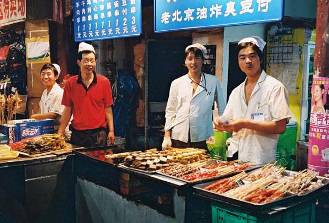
(190, 102)
(51, 100)
(257, 110)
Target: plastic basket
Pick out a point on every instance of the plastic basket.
(286, 148)
(217, 146)
(303, 213)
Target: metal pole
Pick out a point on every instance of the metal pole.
(146, 99)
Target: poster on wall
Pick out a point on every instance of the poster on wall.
(38, 50)
(181, 14)
(106, 19)
(318, 152)
(12, 11)
(209, 66)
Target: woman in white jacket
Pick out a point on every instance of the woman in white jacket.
(190, 103)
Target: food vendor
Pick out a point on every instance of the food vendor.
(88, 97)
(257, 110)
(51, 100)
(190, 102)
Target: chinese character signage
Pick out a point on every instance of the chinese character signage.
(184, 14)
(105, 19)
(318, 151)
(12, 11)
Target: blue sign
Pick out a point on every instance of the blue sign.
(105, 19)
(189, 14)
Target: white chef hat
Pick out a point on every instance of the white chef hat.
(86, 47)
(255, 40)
(198, 46)
(58, 68)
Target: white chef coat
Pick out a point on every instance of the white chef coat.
(192, 113)
(52, 101)
(268, 102)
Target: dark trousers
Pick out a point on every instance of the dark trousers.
(89, 138)
(189, 144)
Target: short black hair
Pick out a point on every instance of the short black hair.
(49, 66)
(85, 52)
(196, 51)
(255, 48)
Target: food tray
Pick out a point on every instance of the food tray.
(198, 190)
(137, 170)
(198, 181)
(288, 199)
(251, 168)
(324, 180)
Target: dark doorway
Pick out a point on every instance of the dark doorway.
(235, 75)
(165, 63)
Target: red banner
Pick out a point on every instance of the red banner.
(12, 11)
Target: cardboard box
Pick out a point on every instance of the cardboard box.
(37, 54)
(3, 139)
(34, 85)
(26, 128)
(33, 128)
(36, 28)
(33, 106)
(10, 132)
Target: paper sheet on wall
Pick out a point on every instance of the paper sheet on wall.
(287, 74)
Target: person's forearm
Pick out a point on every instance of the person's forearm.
(167, 133)
(65, 119)
(49, 115)
(270, 127)
(109, 119)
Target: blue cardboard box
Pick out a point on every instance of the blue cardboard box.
(3, 139)
(10, 132)
(33, 128)
(26, 128)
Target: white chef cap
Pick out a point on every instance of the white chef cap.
(198, 46)
(255, 40)
(58, 68)
(86, 47)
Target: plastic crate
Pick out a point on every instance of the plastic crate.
(303, 213)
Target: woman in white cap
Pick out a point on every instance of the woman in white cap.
(190, 102)
(51, 100)
(257, 110)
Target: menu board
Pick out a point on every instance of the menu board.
(182, 14)
(106, 19)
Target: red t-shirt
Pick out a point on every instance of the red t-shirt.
(88, 105)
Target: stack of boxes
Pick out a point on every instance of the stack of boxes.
(37, 54)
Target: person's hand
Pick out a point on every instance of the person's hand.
(236, 125)
(61, 133)
(111, 137)
(220, 124)
(166, 142)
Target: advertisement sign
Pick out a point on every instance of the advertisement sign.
(105, 19)
(12, 11)
(181, 14)
(318, 151)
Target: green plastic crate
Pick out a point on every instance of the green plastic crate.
(303, 213)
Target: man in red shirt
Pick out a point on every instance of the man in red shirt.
(88, 97)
